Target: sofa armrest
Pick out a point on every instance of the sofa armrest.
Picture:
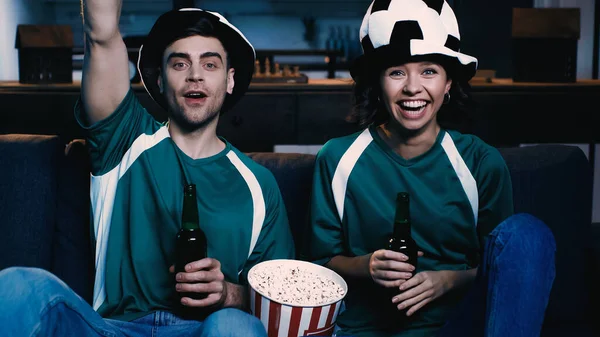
(553, 183)
(28, 199)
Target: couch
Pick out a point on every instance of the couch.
(44, 214)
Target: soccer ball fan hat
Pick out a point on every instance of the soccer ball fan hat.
(394, 32)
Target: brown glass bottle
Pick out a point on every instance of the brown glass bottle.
(191, 244)
(401, 240)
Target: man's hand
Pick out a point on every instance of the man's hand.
(105, 77)
(389, 268)
(203, 276)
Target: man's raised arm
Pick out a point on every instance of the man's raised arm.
(105, 80)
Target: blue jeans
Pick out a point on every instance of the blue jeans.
(33, 302)
(511, 291)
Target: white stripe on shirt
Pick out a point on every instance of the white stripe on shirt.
(258, 217)
(464, 174)
(344, 168)
(102, 194)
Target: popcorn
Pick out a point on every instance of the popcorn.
(295, 285)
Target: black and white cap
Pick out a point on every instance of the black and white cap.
(396, 31)
(171, 26)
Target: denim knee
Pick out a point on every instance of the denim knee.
(232, 322)
(35, 302)
(527, 233)
(27, 285)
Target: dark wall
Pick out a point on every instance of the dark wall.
(485, 27)
(183, 4)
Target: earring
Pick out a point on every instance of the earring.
(447, 98)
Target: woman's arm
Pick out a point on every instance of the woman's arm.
(386, 268)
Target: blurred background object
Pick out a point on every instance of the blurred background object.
(45, 53)
(545, 44)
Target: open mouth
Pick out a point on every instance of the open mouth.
(195, 95)
(413, 108)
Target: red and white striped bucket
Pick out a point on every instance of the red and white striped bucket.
(288, 320)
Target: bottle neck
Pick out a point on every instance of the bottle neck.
(402, 225)
(189, 215)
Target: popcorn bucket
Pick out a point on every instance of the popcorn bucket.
(287, 310)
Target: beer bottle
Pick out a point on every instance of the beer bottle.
(401, 240)
(191, 241)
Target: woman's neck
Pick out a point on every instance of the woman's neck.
(406, 143)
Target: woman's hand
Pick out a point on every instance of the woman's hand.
(390, 269)
(427, 286)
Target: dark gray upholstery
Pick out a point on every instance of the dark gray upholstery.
(44, 213)
(553, 182)
(73, 254)
(28, 182)
(293, 173)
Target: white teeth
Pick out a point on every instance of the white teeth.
(414, 112)
(413, 104)
(195, 95)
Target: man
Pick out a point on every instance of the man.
(196, 65)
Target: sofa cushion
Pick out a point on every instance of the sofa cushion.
(553, 183)
(28, 199)
(293, 172)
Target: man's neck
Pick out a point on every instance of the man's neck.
(409, 146)
(201, 143)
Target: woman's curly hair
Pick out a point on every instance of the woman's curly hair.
(368, 109)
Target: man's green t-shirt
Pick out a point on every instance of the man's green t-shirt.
(136, 195)
(460, 190)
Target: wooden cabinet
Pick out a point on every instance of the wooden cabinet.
(507, 114)
(259, 121)
(321, 116)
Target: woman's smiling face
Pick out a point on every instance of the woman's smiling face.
(413, 93)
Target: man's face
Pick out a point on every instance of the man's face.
(195, 80)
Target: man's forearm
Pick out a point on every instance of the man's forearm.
(105, 76)
(237, 297)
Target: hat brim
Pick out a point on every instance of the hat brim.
(170, 27)
(459, 65)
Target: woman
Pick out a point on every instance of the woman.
(460, 190)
